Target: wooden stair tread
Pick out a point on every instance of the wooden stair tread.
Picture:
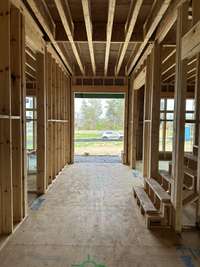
(190, 172)
(166, 175)
(190, 156)
(190, 198)
(158, 190)
(144, 200)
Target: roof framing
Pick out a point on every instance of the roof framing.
(69, 33)
(88, 25)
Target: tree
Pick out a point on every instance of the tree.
(115, 114)
(90, 113)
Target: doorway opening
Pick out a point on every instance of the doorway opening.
(99, 127)
(31, 146)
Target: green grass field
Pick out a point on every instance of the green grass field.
(98, 147)
(85, 134)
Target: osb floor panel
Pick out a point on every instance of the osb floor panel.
(90, 210)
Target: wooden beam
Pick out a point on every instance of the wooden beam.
(41, 20)
(88, 25)
(134, 127)
(155, 109)
(129, 31)
(158, 14)
(69, 33)
(168, 20)
(139, 80)
(146, 125)
(99, 88)
(191, 42)
(41, 125)
(179, 121)
(195, 11)
(197, 135)
(6, 190)
(17, 133)
(111, 13)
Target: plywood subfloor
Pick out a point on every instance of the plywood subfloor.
(90, 210)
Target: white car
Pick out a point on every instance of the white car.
(112, 135)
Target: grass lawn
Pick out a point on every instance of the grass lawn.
(85, 134)
(99, 148)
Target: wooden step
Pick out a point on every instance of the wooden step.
(166, 180)
(190, 156)
(190, 172)
(166, 175)
(190, 198)
(158, 190)
(144, 201)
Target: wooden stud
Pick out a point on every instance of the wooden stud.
(146, 125)
(179, 121)
(155, 110)
(6, 195)
(16, 84)
(41, 125)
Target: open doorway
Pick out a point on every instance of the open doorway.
(31, 147)
(99, 127)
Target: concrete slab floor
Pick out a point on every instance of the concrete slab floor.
(90, 210)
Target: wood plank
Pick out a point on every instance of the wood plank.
(179, 119)
(16, 54)
(158, 190)
(144, 200)
(69, 33)
(41, 125)
(23, 117)
(139, 80)
(88, 25)
(42, 22)
(160, 10)
(191, 42)
(195, 11)
(155, 109)
(146, 125)
(6, 201)
(168, 20)
(111, 13)
(197, 98)
(134, 127)
(129, 31)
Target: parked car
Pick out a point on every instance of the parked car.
(110, 135)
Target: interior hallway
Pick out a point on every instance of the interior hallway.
(90, 210)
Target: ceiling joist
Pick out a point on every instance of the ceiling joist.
(88, 25)
(153, 21)
(69, 33)
(111, 13)
(129, 31)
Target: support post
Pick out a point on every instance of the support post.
(179, 121)
(197, 98)
(146, 125)
(6, 190)
(134, 127)
(155, 110)
(41, 125)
